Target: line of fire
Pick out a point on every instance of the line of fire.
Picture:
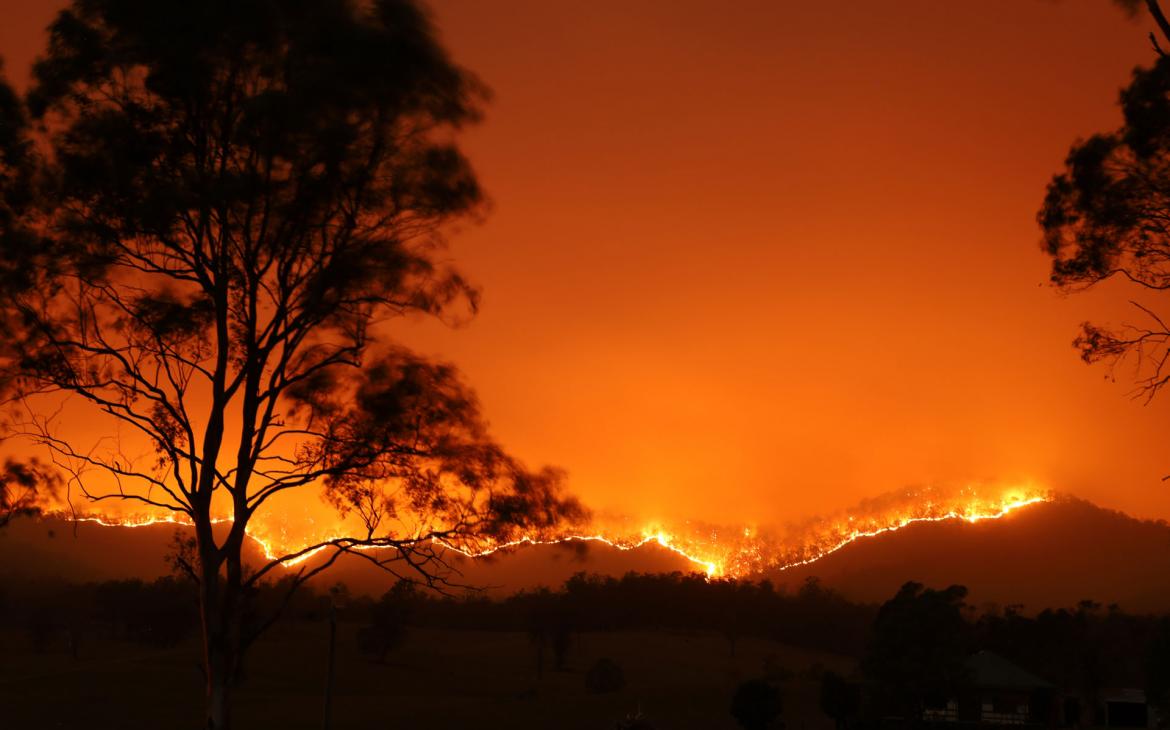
(548, 365)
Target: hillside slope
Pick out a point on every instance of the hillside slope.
(1052, 554)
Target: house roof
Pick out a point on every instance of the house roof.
(991, 670)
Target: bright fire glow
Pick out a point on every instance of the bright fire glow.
(720, 553)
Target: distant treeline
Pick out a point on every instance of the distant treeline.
(163, 612)
(813, 617)
(1082, 647)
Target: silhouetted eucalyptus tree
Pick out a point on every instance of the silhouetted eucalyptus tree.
(919, 646)
(214, 211)
(25, 487)
(1107, 216)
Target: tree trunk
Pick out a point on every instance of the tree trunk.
(216, 659)
(217, 701)
(219, 612)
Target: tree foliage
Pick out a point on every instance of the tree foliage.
(1107, 217)
(25, 487)
(919, 645)
(211, 214)
(389, 616)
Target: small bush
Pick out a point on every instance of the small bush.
(756, 705)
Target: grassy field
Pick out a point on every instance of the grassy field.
(437, 679)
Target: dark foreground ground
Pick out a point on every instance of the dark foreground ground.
(437, 679)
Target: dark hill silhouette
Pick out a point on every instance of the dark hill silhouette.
(60, 550)
(530, 566)
(1052, 554)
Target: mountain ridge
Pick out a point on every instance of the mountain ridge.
(1051, 554)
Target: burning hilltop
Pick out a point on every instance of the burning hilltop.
(1007, 546)
(720, 552)
(740, 552)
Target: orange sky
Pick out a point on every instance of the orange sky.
(753, 263)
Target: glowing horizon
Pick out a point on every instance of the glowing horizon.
(814, 304)
(740, 553)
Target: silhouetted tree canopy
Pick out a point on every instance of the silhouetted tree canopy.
(1081, 649)
(25, 488)
(16, 240)
(161, 613)
(209, 212)
(388, 620)
(919, 645)
(550, 621)
(1107, 216)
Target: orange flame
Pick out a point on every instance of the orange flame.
(718, 553)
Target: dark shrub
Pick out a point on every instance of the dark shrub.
(756, 705)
